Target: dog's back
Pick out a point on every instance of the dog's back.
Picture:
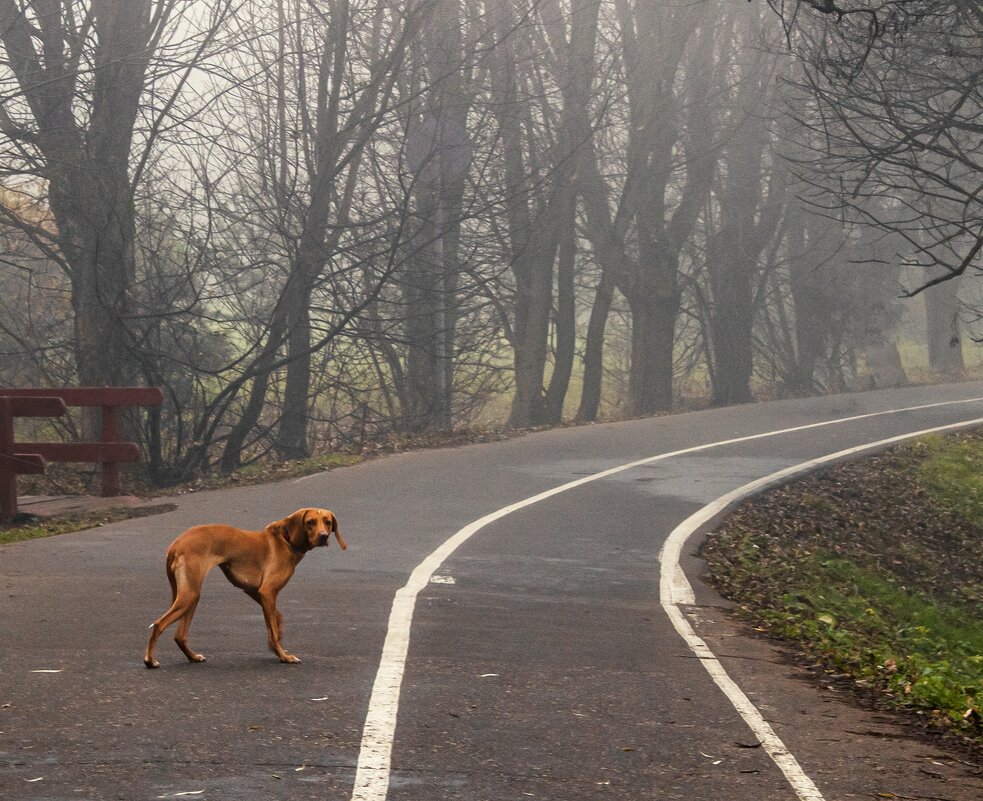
(216, 543)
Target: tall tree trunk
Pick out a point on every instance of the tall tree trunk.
(338, 135)
(653, 335)
(945, 349)
(884, 366)
(439, 150)
(530, 254)
(423, 410)
(668, 59)
(565, 322)
(534, 293)
(731, 322)
(590, 395)
(96, 235)
(748, 218)
(810, 306)
(291, 438)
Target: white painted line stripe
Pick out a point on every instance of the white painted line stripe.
(675, 591)
(375, 753)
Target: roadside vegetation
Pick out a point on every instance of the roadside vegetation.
(34, 529)
(873, 571)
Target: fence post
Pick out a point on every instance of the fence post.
(8, 477)
(110, 433)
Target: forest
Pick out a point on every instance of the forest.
(320, 223)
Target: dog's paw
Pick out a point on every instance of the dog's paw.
(151, 663)
(197, 658)
(290, 659)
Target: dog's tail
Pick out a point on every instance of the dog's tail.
(172, 567)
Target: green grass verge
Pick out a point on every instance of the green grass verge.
(77, 522)
(267, 471)
(874, 570)
(953, 473)
(922, 652)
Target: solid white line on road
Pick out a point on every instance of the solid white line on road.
(675, 592)
(378, 732)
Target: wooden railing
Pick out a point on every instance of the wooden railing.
(30, 457)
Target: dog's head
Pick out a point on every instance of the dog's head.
(308, 528)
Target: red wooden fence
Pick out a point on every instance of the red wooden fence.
(30, 457)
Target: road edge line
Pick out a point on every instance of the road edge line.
(675, 592)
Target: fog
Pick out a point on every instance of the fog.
(319, 225)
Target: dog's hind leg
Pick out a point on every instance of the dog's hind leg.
(181, 637)
(187, 590)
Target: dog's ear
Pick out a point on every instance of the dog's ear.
(294, 531)
(290, 529)
(337, 534)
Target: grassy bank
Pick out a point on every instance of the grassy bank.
(874, 570)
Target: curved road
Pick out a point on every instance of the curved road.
(541, 662)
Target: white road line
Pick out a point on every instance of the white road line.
(675, 591)
(375, 753)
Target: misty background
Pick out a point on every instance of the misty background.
(317, 224)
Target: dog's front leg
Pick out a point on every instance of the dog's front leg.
(274, 619)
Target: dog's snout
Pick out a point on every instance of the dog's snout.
(322, 538)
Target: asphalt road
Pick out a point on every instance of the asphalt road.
(548, 668)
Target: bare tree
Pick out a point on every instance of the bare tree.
(538, 162)
(74, 89)
(668, 164)
(438, 99)
(896, 111)
(746, 204)
(322, 93)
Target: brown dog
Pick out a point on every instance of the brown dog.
(258, 562)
